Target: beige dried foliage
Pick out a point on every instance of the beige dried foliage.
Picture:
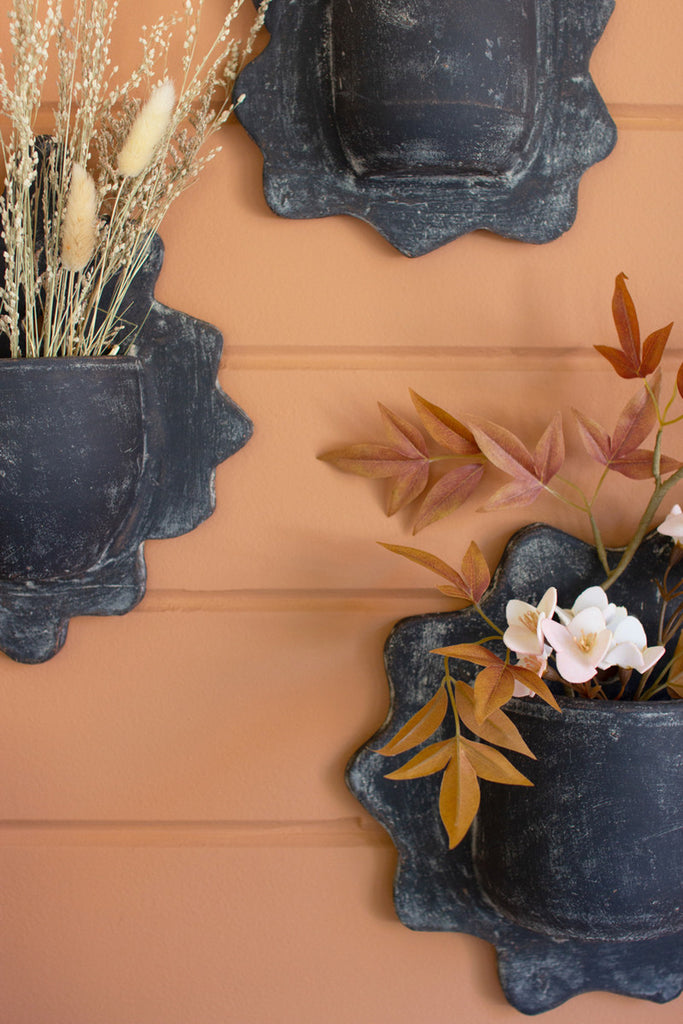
(80, 208)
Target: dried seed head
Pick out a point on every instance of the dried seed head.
(147, 131)
(79, 226)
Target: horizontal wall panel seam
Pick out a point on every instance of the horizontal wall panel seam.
(383, 358)
(289, 601)
(340, 833)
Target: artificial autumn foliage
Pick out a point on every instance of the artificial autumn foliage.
(595, 645)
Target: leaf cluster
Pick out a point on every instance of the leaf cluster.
(410, 454)
(462, 761)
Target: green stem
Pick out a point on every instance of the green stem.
(487, 620)
(599, 543)
(661, 489)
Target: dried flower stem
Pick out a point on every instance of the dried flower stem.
(80, 209)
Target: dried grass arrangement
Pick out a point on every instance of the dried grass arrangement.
(81, 206)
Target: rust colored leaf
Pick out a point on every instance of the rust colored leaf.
(679, 380)
(491, 765)
(653, 349)
(535, 684)
(635, 422)
(409, 483)
(637, 465)
(517, 494)
(420, 727)
(403, 434)
(504, 450)
(618, 360)
(458, 798)
(475, 572)
(432, 759)
(428, 561)
(477, 654)
(549, 453)
(595, 438)
(493, 688)
(371, 460)
(448, 493)
(497, 728)
(444, 428)
(626, 322)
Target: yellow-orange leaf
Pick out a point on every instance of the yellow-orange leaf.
(430, 562)
(491, 765)
(475, 571)
(534, 683)
(429, 761)
(459, 798)
(477, 654)
(497, 728)
(420, 727)
(493, 687)
(675, 687)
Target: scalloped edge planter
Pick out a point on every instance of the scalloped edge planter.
(549, 949)
(96, 456)
(334, 104)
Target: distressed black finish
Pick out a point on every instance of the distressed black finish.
(576, 881)
(429, 119)
(96, 456)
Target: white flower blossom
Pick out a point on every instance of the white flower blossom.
(673, 525)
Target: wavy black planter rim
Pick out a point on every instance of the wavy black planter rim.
(544, 960)
(132, 455)
(305, 95)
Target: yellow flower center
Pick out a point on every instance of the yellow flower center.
(530, 619)
(585, 642)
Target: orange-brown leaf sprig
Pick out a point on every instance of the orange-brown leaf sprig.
(475, 444)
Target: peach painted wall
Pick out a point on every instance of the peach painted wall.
(177, 845)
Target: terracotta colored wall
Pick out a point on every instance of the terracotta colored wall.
(177, 845)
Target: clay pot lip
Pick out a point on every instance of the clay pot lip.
(51, 362)
(581, 708)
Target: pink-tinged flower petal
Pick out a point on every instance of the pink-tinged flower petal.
(629, 647)
(614, 614)
(524, 634)
(522, 640)
(580, 646)
(651, 656)
(624, 655)
(593, 597)
(673, 525)
(536, 663)
(630, 630)
(586, 622)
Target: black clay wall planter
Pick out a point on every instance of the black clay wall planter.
(429, 119)
(577, 880)
(99, 454)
